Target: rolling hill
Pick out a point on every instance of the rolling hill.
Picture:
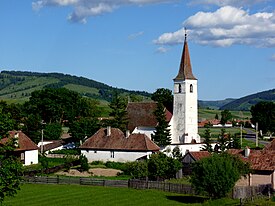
(16, 86)
(246, 102)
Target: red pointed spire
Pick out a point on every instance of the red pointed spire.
(185, 71)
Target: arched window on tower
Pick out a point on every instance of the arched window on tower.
(179, 88)
(191, 88)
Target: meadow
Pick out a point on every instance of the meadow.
(44, 195)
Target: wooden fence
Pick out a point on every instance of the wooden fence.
(237, 193)
(76, 180)
(164, 186)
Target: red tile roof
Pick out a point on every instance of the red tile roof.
(270, 146)
(24, 142)
(117, 141)
(185, 71)
(258, 159)
(199, 155)
(141, 114)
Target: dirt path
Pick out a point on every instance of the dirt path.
(92, 172)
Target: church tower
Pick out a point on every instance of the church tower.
(185, 107)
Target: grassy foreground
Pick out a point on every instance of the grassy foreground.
(39, 194)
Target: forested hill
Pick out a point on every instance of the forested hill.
(246, 102)
(16, 86)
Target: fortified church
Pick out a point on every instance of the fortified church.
(184, 120)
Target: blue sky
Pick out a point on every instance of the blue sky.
(137, 44)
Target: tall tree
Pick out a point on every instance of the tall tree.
(207, 141)
(118, 112)
(10, 167)
(165, 97)
(225, 116)
(223, 141)
(83, 127)
(162, 134)
(263, 113)
(53, 131)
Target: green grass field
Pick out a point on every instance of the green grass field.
(44, 195)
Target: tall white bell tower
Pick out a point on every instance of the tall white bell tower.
(185, 108)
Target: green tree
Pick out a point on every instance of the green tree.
(32, 127)
(118, 113)
(53, 131)
(165, 97)
(263, 113)
(207, 141)
(10, 167)
(216, 116)
(216, 175)
(160, 166)
(223, 141)
(225, 116)
(57, 105)
(84, 165)
(176, 153)
(162, 134)
(83, 127)
(137, 169)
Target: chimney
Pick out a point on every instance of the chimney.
(246, 152)
(127, 133)
(108, 131)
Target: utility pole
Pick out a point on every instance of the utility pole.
(42, 143)
(241, 135)
(257, 143)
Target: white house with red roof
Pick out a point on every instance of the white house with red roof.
(25, 149)
(111, 144)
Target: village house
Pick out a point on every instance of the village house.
(111, 144)
(26, 150)
(262, 163)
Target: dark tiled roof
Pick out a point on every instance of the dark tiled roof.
(117, 141)
(270, 146)
(185, 71)
(199, 155)
(141, 114)
(24, 142)
(258, 159)
(53, 145)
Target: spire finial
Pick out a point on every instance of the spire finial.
(185, 35)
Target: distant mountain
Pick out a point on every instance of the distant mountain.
(246, 102)
(214, 104)
(16, 86)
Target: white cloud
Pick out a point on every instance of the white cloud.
(162, 49)
(226, 26)
(135, 35)
(228, 2)
(272, 57)
(82, 9)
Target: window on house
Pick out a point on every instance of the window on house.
(179, 88)
(191, 88)
(112, 154)
(22, 157)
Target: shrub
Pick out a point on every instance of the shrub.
(115, 165)
(84, 165)
(136, 169)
